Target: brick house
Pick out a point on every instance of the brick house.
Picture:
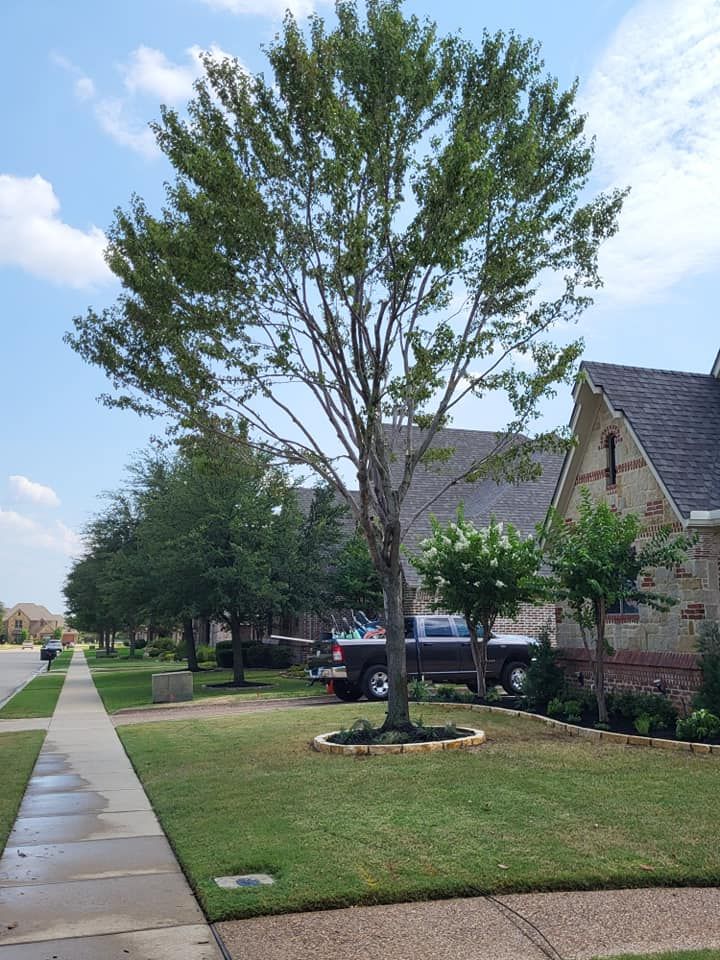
(523, 504)
(648, 441)
(33, 617)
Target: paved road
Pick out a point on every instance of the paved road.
(16, 666)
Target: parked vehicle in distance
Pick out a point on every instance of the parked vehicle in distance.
(55, 645)
(437, 648)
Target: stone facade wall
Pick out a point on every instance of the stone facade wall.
(676, 675)
(531, 621)
(696, 583)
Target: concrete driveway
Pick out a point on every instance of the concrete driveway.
(17, 666)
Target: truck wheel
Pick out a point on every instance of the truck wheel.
(375, 682)
(344, 690)
(513, 677)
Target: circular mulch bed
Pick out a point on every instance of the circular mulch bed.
(470, 738)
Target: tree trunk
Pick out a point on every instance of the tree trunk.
(398, 710)
(189, 641)
(600, 662)
(238, 666)
(479, 654)
(150, 635)
(131, 638)
(205, 631)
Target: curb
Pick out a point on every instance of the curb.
(321, 743)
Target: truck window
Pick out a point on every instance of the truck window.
(462, 628)
(409, 632)
(437, 627)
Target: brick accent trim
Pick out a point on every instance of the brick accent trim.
(631, 465)
(637, 670)
(612, 430)
(592, 475)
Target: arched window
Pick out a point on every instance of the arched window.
(611, 460)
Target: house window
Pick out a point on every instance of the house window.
(18, 624)
(611, 460)
(623, 608)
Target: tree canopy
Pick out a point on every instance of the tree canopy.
(597, 560)
(350, 248)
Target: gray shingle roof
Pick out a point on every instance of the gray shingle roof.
(676, 417)
(522, 504)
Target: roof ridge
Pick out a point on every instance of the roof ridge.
(626, 366)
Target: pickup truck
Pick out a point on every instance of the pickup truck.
(437, 648)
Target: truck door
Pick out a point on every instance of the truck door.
(411, 647)
(439, 648)
(467, 664)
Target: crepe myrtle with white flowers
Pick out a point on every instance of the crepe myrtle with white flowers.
(482, 574)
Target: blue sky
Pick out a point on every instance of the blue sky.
(81, 79)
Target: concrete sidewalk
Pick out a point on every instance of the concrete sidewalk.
(87, 873)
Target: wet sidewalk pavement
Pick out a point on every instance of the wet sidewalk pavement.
(87, 873)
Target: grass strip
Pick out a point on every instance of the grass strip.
(672, 955)
(124, 683)
(530, 810)
(39, 697)
(18, 753)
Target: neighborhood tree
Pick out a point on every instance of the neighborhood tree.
(482, 574)
(597, 560)
(351, 247)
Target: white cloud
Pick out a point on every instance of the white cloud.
(653, 103)
(112, 117)
(150, 72)
(20, 531)
(33, 237)
(25, 489)
(266, 8)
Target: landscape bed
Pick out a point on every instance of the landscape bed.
(532, 809)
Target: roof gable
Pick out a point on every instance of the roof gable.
(675, 417)
(33, 611)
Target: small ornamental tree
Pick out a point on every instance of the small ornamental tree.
(482, 574)
(597, 563)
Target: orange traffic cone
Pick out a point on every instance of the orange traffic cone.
(330, 686)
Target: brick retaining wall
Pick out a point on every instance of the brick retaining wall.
(637, 670)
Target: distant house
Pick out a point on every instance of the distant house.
(33, 617)
(648, 442)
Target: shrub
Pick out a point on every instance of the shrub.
(161, 645)
(419, 689)
(644, 724)
(204, 653)
(168, 655)
(544, 680)
(708, 645)
(555, 708)
(224, 654)
(454, 694)
(266, 655)
(629, 706)
(700, 725)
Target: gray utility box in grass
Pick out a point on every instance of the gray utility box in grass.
(171, 687)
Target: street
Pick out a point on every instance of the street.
(16, 666)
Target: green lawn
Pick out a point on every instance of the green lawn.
(673, 955)
(123, 682)
(18, 752)
(530, 810)
(39, 697)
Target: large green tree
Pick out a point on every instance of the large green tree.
(351, 247)
(598, 559)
